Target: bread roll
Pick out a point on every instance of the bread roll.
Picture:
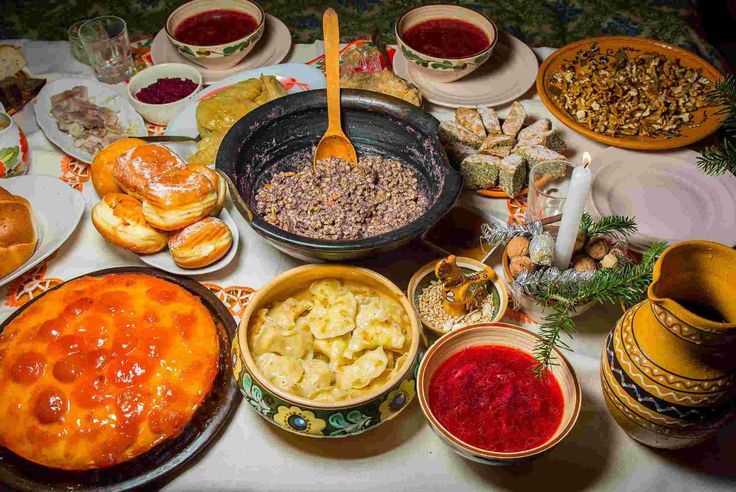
(12, 60)
(119, 219)
(178, 198)
(17, 234)
(101, 169)
(200, 244)
(218, 182)
(135, 169)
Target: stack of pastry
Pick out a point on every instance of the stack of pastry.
(152, 199)
(17, 234)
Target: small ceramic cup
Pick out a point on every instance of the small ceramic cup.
(510, 336)
(14, 158)
(445, 69)
(221, 56)
(323, 419)
(161, 114)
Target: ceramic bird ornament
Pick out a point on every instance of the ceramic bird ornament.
(460, 291)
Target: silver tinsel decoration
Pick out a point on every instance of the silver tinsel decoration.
(550, 279)
(496, 234)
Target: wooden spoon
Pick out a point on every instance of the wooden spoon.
(334, 142)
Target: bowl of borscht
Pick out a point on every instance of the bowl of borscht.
(482, 394)
(216, 34)
(445, 42)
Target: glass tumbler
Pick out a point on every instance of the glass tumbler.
(547, 193)
(106, 42)
(77, 48)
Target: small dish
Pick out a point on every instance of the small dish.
(161, 114)
(57, 209)
(444, 69)
(100, 94)
(273, 48)
(317, 419)
(506, 77)
(165, 262)
(220, 56)
(425, 275)
(511, 336)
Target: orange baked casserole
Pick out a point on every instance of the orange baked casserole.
(102, 369)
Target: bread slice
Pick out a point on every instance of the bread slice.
(12, 60)
(17, 232)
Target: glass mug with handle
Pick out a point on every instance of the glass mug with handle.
(105, 40)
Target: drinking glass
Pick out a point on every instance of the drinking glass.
(106, 42)
(77, 47)
(547, 193)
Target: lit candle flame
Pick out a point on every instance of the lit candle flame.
(586, 159)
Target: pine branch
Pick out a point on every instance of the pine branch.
(717, 160)
(724, 94)
(611, 224)
(555, 324)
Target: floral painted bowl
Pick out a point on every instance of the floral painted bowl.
(13, 148)
(323, 419)
(510, 336)
(445, 69)
(221, 56)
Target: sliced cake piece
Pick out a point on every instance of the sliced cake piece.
(498, 145)
(512, 174)
(551, 139)
(490, 121)
(531, 131)
(457, 151)
(480, 171)
(452, 132)
(469, 119)
(537, 153)
(515, 120)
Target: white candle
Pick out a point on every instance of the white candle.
(572, 212)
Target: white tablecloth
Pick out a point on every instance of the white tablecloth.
(404, 454)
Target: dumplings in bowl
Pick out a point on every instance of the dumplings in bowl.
(328, 351)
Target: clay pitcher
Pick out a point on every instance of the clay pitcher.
(667, 369)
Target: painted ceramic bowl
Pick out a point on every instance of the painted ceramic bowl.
(14, 158)
(321, 419)
(425, 275)
(510, 336)
(445, 69)
(161, 114)
(220, 56)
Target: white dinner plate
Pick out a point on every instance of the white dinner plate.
(505, 77)
(57, 208)
(671, 199)
(164, 261)
(296, 77)
(100, 94)
(272, 48)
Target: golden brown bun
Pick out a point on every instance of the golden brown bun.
(200, 244)
(119, 219)
(102, 165)
(178, 198)
(135, 169)
(218, 182)
(17, 234)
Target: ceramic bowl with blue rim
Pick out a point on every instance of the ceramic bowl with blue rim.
(324, 419)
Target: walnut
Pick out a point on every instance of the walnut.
(518, 246)
(579, 241)
(521, 264)
(584, 263)
(610, 260)
(596, 248)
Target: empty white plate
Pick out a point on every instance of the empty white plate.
(164, 261)
(671, 199)
(57, 208)
(505, 77)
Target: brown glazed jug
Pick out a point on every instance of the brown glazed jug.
(668, 365)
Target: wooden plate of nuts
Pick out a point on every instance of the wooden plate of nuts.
(631, 92)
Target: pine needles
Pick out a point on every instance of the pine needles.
(611, 224)
(719, 159)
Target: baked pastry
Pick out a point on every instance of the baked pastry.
(101, 169)
(200, 244)
(119, 219)
(102, 369)
(178, 198)
(135, 169)
(17, 234)
(218, 182)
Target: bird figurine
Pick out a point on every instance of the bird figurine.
(460, 291)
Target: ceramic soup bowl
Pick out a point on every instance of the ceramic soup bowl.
(13, 148)
(220, 56)
(323, 419)
(445, 69)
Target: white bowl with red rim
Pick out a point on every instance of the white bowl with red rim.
(508, 335)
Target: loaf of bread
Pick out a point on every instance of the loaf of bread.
(17, 233)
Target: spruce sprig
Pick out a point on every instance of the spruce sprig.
(608, 225)
(720, 159)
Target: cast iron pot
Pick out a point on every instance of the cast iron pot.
(283, 133)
